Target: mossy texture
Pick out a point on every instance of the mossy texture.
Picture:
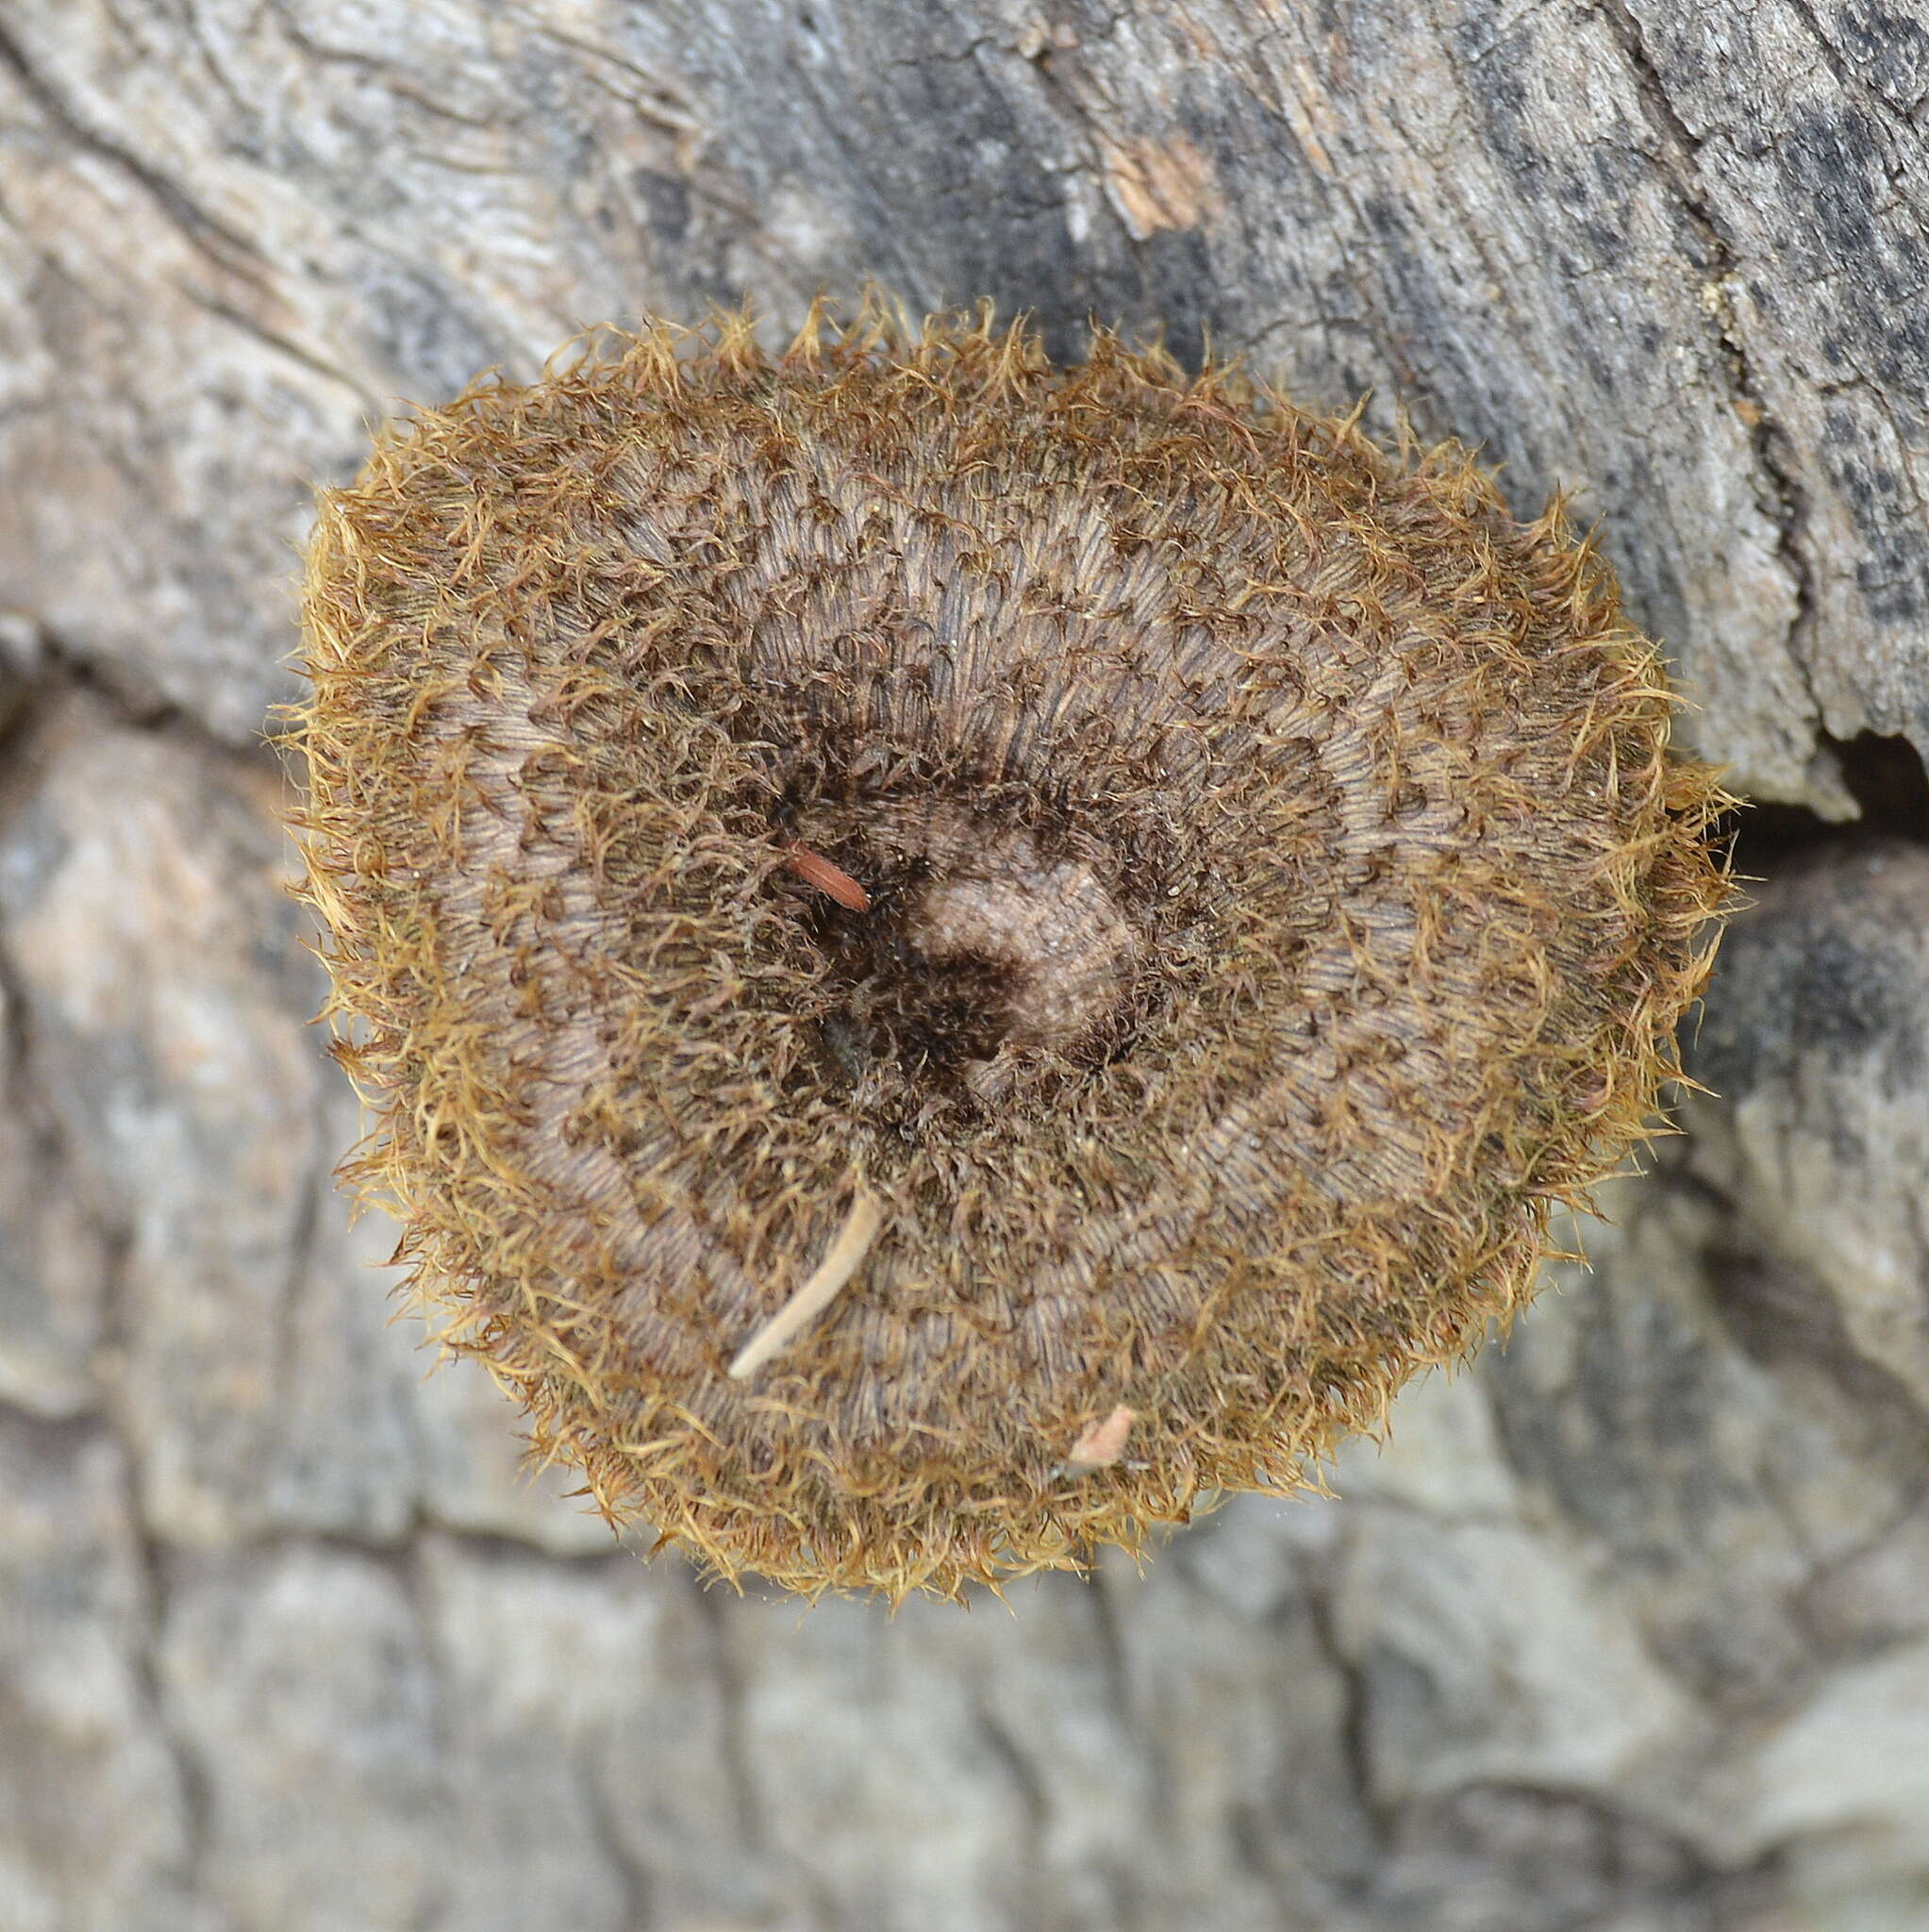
(1279, 892)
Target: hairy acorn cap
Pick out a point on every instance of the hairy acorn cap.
(1279, 892)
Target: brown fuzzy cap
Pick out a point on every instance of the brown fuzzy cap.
(1159, 890)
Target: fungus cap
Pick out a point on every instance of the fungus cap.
(1109, 903)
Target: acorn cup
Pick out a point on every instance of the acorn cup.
(953, 956)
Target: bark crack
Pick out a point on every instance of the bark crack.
(1783, 500)
(284, 345)
(61, 672)
(222, 244)
(111, 1418)
(725, 1671)
(634, 1879)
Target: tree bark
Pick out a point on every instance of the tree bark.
(1625, 1627)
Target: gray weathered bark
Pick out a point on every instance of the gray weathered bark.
(1626, 1627)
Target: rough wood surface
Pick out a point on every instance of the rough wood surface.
(1627, 1628)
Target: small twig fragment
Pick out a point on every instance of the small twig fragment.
(814, 869)
(845, 1256)
(1101, 1443)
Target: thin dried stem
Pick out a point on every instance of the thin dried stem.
(845, 1257)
